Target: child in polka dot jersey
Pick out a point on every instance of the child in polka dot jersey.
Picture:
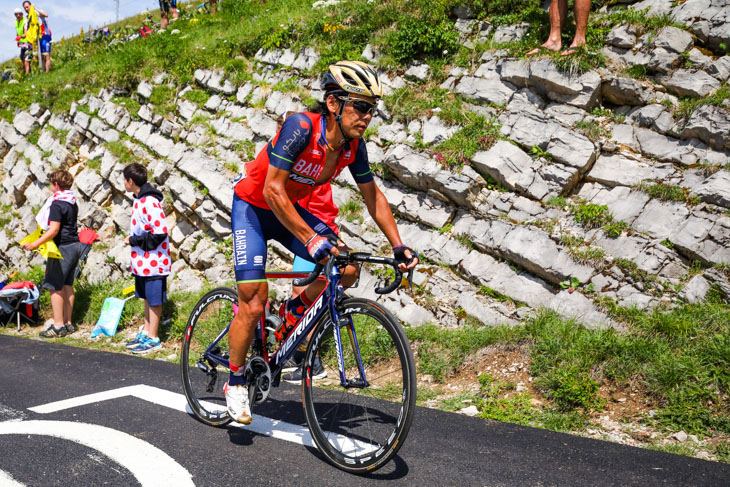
(150, 255)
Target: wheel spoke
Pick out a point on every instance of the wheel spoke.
(360, 428)
(204, 388)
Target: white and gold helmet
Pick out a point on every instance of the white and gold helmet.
(352, 77)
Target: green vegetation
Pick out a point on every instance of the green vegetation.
(688, 105)
(352, 210)
(558, 201)
(422, 36)
(680, 357)
(592, 129)
(121, 152)
(588, 254)
(614, 229)
(479, 134)
(163, 99)
(636, 71)
(442, 351)
(537, 152)
(605, 112)
(408, 104)
(591, 215)
(197, 96)
(668, 192)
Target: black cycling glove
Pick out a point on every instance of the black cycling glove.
(399, 252)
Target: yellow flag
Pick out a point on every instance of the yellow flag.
(34, 26)
(49, 250)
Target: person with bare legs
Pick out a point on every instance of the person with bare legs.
(26, 48)
(165, 7)
(58, 218)
(558, 14)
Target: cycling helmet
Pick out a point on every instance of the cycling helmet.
(353, 77)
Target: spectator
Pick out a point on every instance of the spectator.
(45, 40)
(150, 255)
(26, 48)
(34, 28)
(173, 10)
(558, 13)
(58, 217)
(167, 7)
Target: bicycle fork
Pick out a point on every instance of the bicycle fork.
(339, 323)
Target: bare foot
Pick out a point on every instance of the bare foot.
(550, 46)
(572, 49)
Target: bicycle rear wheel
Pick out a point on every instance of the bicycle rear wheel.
(203, 379)
(361, 427)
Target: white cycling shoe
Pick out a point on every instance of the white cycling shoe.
(237, 403)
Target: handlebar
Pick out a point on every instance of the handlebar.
(348, 257)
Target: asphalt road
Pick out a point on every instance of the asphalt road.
(129, 440)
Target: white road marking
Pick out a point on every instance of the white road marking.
(149, 465)
(262, 425)
(7, 481)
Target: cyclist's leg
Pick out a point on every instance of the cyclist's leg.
(300, 265)
(249, 251)
(249, 262)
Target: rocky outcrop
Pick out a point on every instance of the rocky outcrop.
(503, 223)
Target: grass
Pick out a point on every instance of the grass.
(610, 114)
(592, 129)
(688, 105)
(669, 192)
(440, 352)
(197, 96)
(408, 104)
(352, 210)
(123, 153)
(479, 134)
(680, 358)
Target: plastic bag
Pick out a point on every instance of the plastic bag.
(111, 313)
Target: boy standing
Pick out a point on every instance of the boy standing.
(150, 255)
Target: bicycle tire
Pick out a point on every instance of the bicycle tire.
(204, 389)
(358, 429)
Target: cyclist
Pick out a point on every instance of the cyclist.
(309, 150)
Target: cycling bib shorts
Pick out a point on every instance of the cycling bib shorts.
(253, 226)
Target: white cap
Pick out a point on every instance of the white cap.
(18, 11)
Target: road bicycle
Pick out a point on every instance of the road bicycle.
(360, 413)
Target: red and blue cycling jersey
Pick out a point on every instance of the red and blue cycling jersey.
(300, 148)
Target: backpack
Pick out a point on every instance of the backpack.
(145, 31)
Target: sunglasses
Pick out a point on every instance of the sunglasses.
(362, 106)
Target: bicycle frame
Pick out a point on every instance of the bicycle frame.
(325, 303)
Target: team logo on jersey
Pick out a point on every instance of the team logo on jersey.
(307, 169)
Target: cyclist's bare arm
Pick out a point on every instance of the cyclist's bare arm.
(379, 209)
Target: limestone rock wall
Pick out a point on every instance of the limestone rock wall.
(494, 255)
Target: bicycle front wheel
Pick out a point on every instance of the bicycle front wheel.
(360, 425)
(202, 376)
